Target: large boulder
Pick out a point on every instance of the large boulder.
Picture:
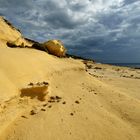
(55, 47)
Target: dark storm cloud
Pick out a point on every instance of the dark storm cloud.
(98, 29)
(61, 19)
(129, 1)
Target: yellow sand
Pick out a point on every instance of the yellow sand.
(96, 104)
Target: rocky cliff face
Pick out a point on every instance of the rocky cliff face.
(8, 33)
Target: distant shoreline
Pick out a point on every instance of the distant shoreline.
(131, 65)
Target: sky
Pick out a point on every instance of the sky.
(104, 30)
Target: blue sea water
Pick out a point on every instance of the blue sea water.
(132, 65)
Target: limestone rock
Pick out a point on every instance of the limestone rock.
(55, 47)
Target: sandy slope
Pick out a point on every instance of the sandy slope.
(95, 104)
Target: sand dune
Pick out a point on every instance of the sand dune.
(81, 100)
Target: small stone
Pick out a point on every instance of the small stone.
(30, 84)
(57, 97)
(58, 101)
(33, 112)
(52, 98)
(71, 114)
(45, 83)
(49, 106)
(51, 101)
(77, 102)
(45, 105)
(42, 109)
(64, 102)
(24, 117)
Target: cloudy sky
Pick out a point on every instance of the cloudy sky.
(104, 30)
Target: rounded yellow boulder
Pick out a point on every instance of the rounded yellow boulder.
(55, 47)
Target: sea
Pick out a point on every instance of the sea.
(132, 65)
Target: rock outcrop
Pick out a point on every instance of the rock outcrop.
(55, 47)
(12, 35)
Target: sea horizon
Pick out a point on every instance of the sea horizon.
(132, 65)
